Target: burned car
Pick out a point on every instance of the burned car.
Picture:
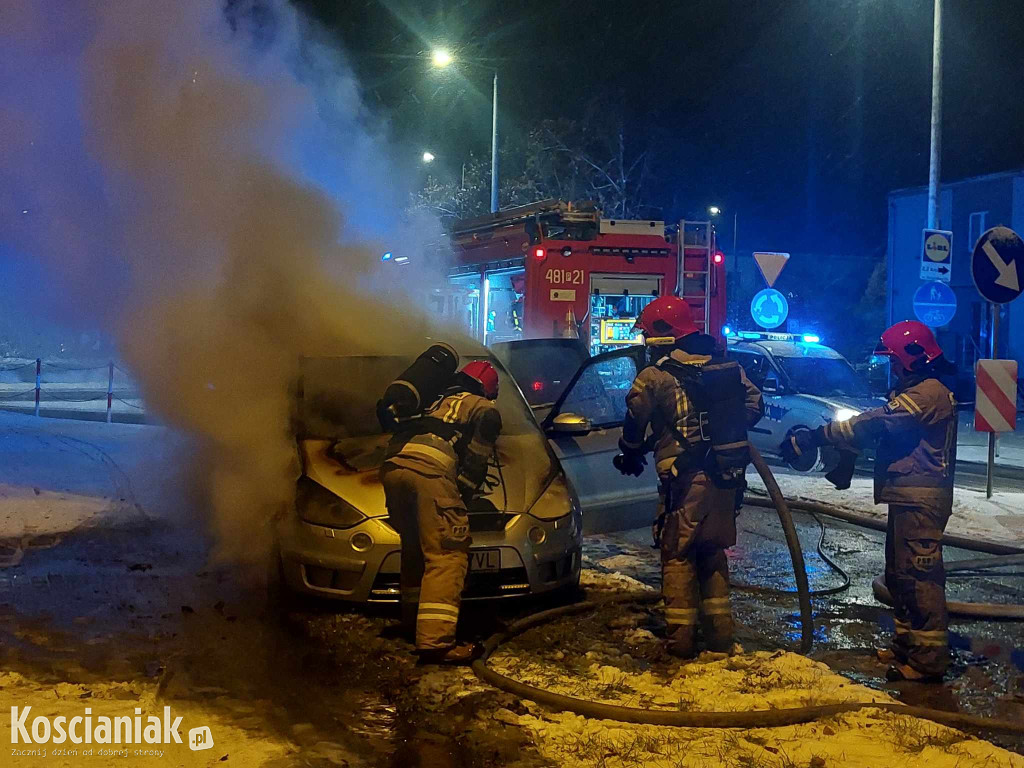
(337, 541)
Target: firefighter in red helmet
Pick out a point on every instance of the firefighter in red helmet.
(435, 464)
(914, 436)
(698, 407)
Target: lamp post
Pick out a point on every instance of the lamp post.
(442, 58)
(935, 156)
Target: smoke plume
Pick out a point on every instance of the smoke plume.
(203, 182)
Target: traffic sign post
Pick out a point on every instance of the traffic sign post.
(936, 255)
(935, 304)
(769, 308)
(997, 264)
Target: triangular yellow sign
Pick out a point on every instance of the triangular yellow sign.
(771, 265)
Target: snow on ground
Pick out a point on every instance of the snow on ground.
(617, 669)
(973, 446)
(999, 519)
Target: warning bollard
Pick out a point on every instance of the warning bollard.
(39, 369)
(110, 392)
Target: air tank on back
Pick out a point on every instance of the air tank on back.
(418, 386)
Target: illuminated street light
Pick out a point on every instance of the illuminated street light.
(714, 210)
(428, 157)
(441, 58)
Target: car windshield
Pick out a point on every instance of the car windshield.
(332, 402)
(542, 367)
(823, 377)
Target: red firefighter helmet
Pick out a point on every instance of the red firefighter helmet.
(912, 343)
(666, 320)
(483, 372)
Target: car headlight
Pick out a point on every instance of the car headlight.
(315, 504)
(555, 502)
(845, 414)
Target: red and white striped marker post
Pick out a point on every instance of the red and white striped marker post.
(995, 403)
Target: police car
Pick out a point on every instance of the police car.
(805, 384)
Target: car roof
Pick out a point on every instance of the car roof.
(786, 348)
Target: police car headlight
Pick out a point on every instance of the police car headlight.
(845, 414)
(555, 502)
(315, 504)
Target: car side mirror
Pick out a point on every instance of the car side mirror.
(771, 386)
(569, 424)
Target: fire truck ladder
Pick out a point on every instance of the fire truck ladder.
(696, 251)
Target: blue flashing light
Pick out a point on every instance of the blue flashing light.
(726, 330)
(749, 335)
(386, 256)
(810, 338)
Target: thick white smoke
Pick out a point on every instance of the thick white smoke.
(202, 182)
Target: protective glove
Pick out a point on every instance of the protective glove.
(801, 441)
(472, 475)
(842, 475)
(630, 463)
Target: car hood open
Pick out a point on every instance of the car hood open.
(350, 468)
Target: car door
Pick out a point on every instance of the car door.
(597, 393)
(765, 435)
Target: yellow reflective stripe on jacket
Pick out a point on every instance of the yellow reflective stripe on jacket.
(445, 460)
(907, 402)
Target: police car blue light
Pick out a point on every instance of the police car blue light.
(810, 338)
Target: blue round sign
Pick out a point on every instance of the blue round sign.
(769, 308)
(997, 265)
(935, 304)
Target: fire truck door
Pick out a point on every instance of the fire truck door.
(615, 303)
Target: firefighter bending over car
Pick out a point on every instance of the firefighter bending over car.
(915, 440)
(445, 426)
(698, 407)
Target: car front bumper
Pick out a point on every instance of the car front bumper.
(321, 561)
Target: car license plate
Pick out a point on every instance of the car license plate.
(484, 560)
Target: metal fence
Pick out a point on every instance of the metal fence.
(70, 390)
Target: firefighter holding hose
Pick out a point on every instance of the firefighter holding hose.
(445, 429)
(698, 407)
(914, 436)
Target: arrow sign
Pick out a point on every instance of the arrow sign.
(771, 265)
(997, 265)
(1007, 272)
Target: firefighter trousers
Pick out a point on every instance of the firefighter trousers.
(916, 579)
(430, 517)
(699, 525)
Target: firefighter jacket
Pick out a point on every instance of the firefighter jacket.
(657, 400)
(915, 439)
(457, 432)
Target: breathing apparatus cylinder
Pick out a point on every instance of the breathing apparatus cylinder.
(418, 386)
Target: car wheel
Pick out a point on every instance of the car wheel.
(810, 461)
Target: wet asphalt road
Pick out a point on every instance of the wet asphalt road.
(987, 675)
(133, 597)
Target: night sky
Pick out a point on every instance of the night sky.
(798, 114)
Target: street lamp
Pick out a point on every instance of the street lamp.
(441, 58)
(935, 155)
(714, 210)
(428, 157)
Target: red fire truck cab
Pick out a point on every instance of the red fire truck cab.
(556, 269)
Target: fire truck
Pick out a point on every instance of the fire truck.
(557, 269)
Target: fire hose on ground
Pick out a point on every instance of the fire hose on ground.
(1003, 555)
(741, 719)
